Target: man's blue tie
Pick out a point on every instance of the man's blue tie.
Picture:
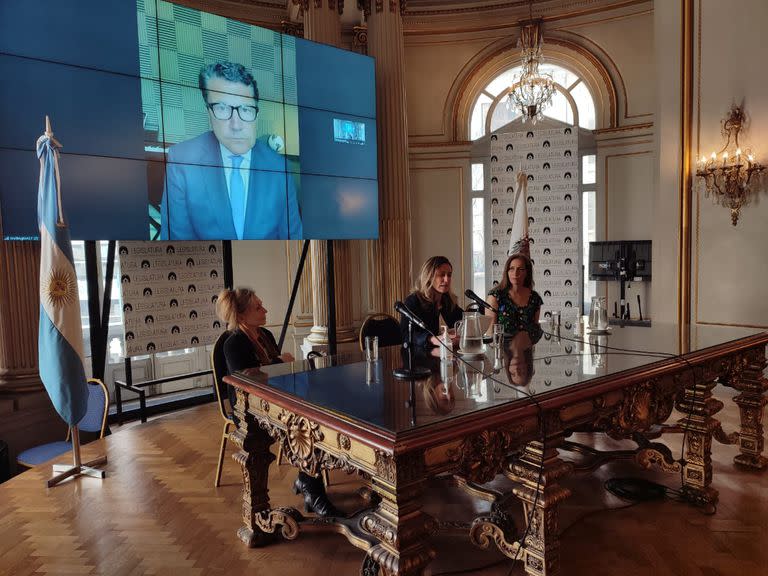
(237, 196)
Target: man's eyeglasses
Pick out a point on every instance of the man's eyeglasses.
(223, 111)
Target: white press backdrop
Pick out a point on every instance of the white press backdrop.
(550, 159)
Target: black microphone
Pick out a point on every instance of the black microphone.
(403, 309)
(479, 301)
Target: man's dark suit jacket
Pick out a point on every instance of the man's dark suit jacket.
(196, 205)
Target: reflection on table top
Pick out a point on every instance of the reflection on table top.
(523, 371)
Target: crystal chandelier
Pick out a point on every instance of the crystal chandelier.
(533, 90)
(729, 175)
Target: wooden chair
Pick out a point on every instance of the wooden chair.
(384, 326)
(95, 420)
(219, 367)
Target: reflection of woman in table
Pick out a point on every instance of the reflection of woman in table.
(438, 395)
(519, 357)
(518, 303)
(250, 346)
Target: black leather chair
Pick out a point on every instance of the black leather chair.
(384, 326)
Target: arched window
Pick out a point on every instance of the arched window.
(572, 102)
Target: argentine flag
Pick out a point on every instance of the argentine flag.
(60, 341)
(518, 239)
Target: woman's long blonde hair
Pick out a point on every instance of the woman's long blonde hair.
(232, 304)
(423, 287)
(230, 307)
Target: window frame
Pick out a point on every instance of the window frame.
(498, 99)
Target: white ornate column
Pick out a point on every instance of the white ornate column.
(390, 256)
(322, 24)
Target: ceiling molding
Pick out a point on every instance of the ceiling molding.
(548, 10)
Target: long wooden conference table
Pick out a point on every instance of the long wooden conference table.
(470, 419)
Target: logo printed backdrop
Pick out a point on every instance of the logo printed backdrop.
(169, 294)
(550, 158)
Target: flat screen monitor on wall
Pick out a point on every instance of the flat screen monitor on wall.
(620, 260)
(178, 124)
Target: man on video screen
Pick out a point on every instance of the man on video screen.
(225, 184)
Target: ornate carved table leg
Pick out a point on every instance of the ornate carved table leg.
(254, 458)
(751, 402)
(537, 471)
(398, 522)
(698, 406)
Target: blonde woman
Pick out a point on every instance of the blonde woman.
(251, 345)
(432, 298)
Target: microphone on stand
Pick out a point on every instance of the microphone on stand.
(479, 301)
(410, 371)
(405, 311)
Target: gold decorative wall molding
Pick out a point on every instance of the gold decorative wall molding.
(360, 38)
(686, 178)
(367, 6)
(335, 5)
(614, 129)
(292, 28)
(488, 18)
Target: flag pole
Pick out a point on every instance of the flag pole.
(57, 310)
(49, 132)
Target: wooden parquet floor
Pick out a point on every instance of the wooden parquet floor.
(157, 513)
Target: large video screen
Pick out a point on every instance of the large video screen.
(177, 124)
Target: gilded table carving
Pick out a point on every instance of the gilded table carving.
(394, 530)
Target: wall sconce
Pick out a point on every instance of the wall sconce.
(731, 175)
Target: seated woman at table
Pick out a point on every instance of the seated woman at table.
(432, 297)
(250, 346)
(518, 303)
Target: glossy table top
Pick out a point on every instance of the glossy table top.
(523, 371)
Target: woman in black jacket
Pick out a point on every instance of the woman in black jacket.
(432, 297)
(250, 346)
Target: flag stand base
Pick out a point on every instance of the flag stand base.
(64, 471)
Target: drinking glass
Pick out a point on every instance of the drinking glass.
(447, 346)
(371, 348)
(498, 336)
